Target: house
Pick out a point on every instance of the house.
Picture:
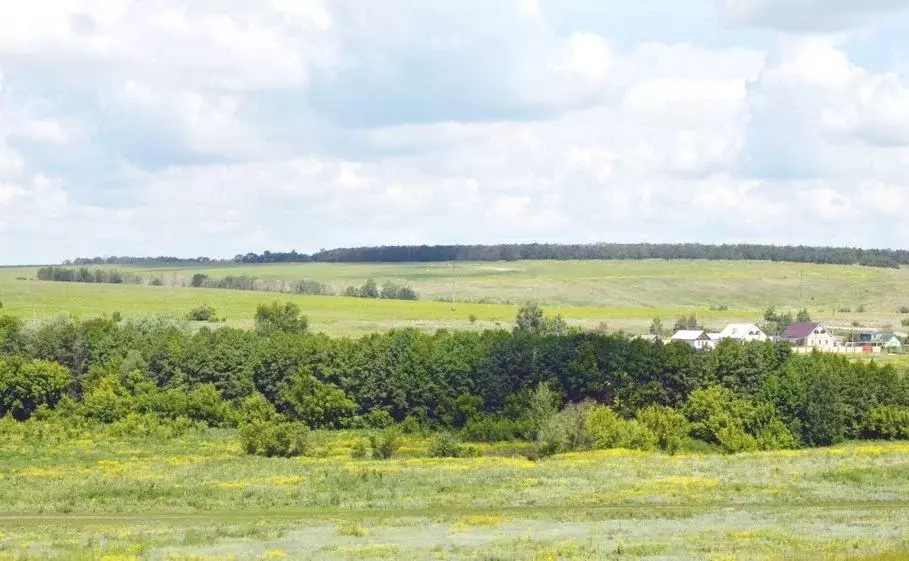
(889, 341)
(813, 335)
(883, 340)
(744, 332)
(695, 338)
(715, 339)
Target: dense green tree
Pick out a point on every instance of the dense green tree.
(275, 318)
(316, 403)
(369, 289)
(26, 386)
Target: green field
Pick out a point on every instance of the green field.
(624, 294)
(97, 496)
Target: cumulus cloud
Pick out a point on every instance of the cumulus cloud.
(166, 127)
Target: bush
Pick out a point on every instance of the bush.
(668, 425)
(318, 404)
(445, 445)
(385, 444)
(203, 403)
(416, 422)
(274, 318)
(718, 417)
(904, 309)
(274, 439)
(256, 407)
(198, 280)
(379, 419)
(567, 431)
(25, 387)
(202, 313)
(494, 428)
(609, 431)
(860, 309)
(888, 422)
(359, 450)
(135, 425)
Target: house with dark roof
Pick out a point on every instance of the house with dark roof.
(813, 335)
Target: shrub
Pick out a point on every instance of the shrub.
(607, 431)
(107, 400)
(668, 425)
(445, 445)
(385, 444)
(494, 428)
(566, 432)
(380, 419)
(274, 439)
(860, 309)
(359, 450)
(318, 404)
(888, 422)
(203, 403)
(844, 310)
(202, 313)
(150, 426)
(274, 318)
(543, 405)
(415, 424)
(472, 318)
(256, 407)
(718, 416)
(198, 280)
(604, 427)
(904, 309)
(25, 387)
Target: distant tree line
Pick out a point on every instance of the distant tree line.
(83, 274)
(389, 290)
(491, 385)
(511, 252)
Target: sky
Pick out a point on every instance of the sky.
(217, 127)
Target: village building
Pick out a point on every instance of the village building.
(888, 341)
(695, 338)
(813, 335)
(744, 332)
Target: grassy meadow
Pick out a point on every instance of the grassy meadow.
(199, 497)
(623, 294)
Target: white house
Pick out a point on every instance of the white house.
(813, 335)
(744, 332)
(693, 337)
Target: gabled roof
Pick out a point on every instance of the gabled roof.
(741, 330)
(715, 336)
(800, 330)
(689, 335)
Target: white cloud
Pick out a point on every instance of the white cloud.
(212, 128)
(806, 14)
(815, 114)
